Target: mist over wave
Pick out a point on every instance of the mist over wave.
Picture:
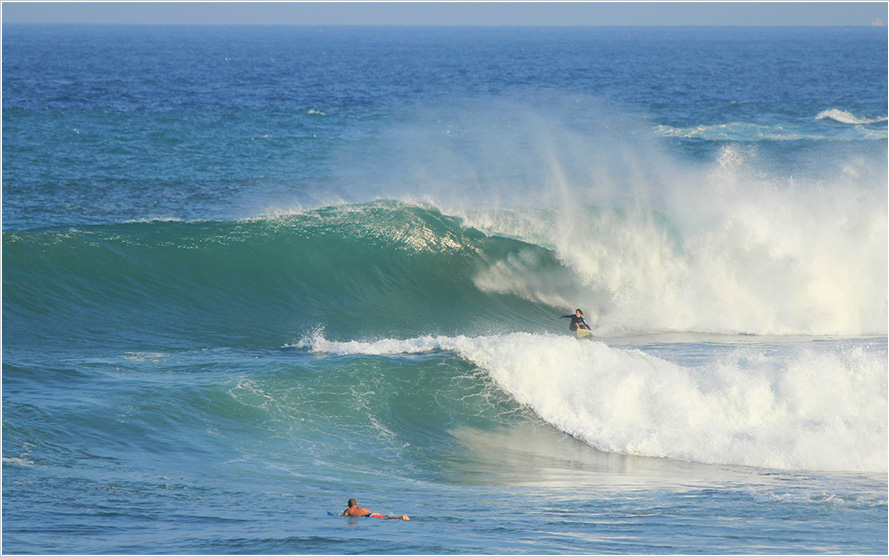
(739, 241)
(730, 253)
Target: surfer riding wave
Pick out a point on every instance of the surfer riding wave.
(578, 325)
(577, 321)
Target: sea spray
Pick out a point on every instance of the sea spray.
(735, 242)
(769, 254)
(788, 407)
(809, 260)
(656, 243)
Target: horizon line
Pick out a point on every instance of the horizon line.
(444, 26)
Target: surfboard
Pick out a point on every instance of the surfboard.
(583, 333)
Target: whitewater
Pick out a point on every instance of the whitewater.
(749, 407)
(250, 273)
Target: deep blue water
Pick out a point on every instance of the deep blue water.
(252, 272)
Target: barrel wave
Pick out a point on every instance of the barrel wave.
(367, 270)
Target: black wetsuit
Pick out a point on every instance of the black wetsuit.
(576, 322)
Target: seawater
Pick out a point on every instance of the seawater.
(252, 272)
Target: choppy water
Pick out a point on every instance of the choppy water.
(249, 273)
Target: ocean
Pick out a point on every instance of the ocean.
(252, 272)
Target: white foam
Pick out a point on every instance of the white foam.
(800, 408)
(845, 117)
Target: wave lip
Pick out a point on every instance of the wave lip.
(798, 408)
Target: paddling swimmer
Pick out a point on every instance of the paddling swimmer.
(577, 321)
(355, 511)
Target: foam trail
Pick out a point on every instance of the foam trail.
(798, 408)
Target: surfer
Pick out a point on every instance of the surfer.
(355, 511)
(577, 321)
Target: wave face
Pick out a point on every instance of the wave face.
(381, 268)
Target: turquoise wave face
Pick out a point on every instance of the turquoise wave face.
(366, 270)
